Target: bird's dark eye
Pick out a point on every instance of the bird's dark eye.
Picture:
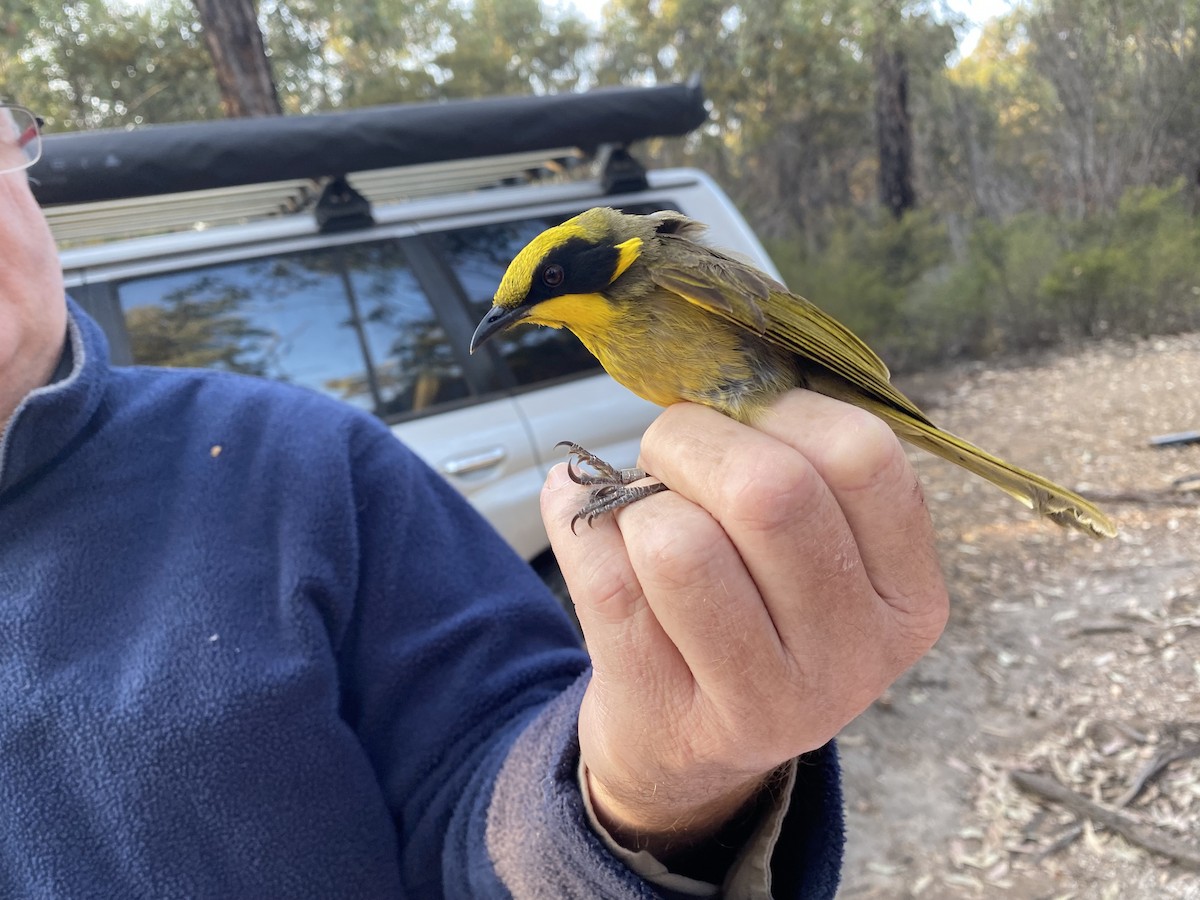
(553, 275)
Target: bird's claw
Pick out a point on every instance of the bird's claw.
(612, 488)
(605, 474)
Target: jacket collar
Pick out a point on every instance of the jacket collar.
(51, 417)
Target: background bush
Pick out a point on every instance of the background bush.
(1033, 281)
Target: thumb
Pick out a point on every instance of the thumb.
(633, 659)
(592, 558)
(625, 639)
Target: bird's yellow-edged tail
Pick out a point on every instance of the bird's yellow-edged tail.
(1041, 495)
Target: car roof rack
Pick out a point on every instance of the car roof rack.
(84, 223)
(102, 184)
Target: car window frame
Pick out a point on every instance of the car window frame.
(487, 374)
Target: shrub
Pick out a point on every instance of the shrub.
(1031, 281)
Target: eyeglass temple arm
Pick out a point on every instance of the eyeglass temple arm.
(29, 134)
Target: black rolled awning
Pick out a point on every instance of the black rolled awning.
(113, 164)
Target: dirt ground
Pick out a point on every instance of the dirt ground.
(1071, 658)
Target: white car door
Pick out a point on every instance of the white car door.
(594, 412)
(483, 450)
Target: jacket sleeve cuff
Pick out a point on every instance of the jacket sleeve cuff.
(541, 835)
(749, 877)
(538, 838)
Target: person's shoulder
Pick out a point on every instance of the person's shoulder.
(242, 404)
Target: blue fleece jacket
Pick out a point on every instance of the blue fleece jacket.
(250, 646)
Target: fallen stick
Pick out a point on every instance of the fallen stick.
(1168, 497)
(1172, 440)
(1155, 767)
(1134, 831)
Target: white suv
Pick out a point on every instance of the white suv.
(381, 316)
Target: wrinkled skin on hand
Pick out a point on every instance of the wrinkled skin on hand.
(745, 616)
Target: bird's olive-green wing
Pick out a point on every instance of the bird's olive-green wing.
(742, 294)
(715, 282)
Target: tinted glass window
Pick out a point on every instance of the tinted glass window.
(350, 322)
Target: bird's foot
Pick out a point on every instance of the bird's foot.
(612, 488)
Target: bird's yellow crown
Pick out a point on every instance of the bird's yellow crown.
(518, 280)
(597, 229)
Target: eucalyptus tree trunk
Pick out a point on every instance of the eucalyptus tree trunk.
(239, 57)
(893, 129)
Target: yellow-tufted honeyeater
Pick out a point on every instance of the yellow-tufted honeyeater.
(672, 319)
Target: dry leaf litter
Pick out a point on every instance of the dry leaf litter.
(1072, 658)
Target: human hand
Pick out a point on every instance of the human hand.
(745, 616)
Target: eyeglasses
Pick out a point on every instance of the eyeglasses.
(20, 138)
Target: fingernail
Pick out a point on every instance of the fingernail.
(557, 477)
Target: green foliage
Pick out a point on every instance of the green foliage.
(335, 53)
(1033, 281)
(1122, 75)
(1137, 272)
(512, 47)
(94, 64)
(1056, 168)
(791, 89)
(88, 63)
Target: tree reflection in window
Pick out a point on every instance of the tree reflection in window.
(413, 363)
(198, 326)
(348, 321)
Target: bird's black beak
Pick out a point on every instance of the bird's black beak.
(497, 319)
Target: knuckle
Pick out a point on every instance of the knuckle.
(676, 557)
(918, 623)
(925, 624)
(862, 452)
(766, 494)
(664, 432)
(604, 592)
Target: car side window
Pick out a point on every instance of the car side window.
(478, 258)
(348, 321)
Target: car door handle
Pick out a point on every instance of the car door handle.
(484, 459)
